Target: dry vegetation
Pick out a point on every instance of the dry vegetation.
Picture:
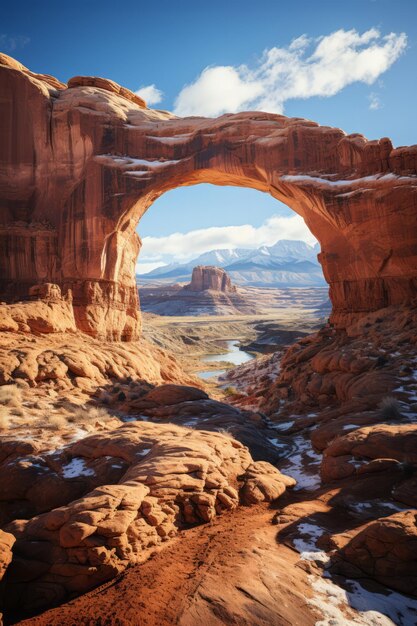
(11, 396)
(390, 408)
(10, 404)
(42, 412)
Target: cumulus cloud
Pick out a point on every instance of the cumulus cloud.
(151, 94)
(307, 67)
(10, 43)
(181, 247)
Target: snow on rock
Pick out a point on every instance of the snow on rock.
(302, 464)
(306, 544)
(76, 467)
(355, 606)
(304, 178)
(359, 607)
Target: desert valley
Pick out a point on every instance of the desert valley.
(227, 439)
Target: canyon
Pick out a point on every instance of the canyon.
(129, 493)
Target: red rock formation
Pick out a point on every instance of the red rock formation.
(140, 484)
(81, 165)
(205, 277)
(385, 550)
(73, 360)
(356, 368)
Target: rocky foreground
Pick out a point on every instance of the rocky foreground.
(142, 482)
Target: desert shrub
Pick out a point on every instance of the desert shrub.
(54, 422)
(4, 419)
(84, 414)
(390, 408)
(226, 432)
(230, 391)
(10, 395)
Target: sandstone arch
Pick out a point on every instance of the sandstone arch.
(80, 164)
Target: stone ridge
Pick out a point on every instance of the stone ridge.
(88, 162)
(108, 85)
(205, 277)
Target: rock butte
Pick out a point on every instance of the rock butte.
(81, 163)
(210, 292)
(205, 277)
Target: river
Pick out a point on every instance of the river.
(233, 355)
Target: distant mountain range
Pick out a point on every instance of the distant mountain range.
(285, 264)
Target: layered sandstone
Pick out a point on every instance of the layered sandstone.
(205, 277)
(80, 165)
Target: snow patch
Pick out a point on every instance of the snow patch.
(303, 465)
(277, 443)
(144, 452)
(283, 426)
(76, 467)
(301, 178)
(174, 139)
(306, 544)
(359, 607)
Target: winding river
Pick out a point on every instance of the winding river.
(233, 355)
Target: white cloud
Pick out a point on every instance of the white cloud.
(144, 268)
(306, 68)
(151, 94)
(185, 246)
(374, 101)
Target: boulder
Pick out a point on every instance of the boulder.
(385, 550)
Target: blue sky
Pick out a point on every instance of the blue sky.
(170, 45)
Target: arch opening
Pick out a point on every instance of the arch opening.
(231, 279)
(307, 203)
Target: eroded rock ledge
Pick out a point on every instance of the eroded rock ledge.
(142, 483)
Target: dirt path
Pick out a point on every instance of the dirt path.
(232, 571)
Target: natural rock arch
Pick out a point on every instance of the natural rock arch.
(80, 164)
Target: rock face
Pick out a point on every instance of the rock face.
(136, 487)
(81, 163)
(205, 277)
(357, 368)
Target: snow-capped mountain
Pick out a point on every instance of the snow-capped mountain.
(285, 264)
